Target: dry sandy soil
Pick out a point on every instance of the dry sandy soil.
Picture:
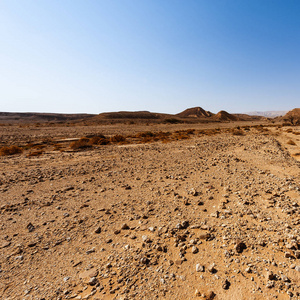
(215, 216)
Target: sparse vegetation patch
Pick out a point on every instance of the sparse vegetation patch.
(10, 150)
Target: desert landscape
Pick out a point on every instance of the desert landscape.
(142, 206)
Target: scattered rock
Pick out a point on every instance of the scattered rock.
(200, 268)
(226, 284)
(125, 226)
(240, 247)
(30, 227)
(195, 250)
(98, 230)
(212, 268)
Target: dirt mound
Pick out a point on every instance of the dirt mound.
(225, 116)
(195, 112)
(293, 116)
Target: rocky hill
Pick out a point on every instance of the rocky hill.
(195, 112)
(225, 116)
(293, 116)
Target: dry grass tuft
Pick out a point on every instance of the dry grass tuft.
(10, 150)
(82, 143)
(118, 138)
(238, 132)
(98, 140)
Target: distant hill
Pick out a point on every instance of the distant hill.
(195, 112)
(8, 117)
(190, 115)
(293, 116)
(225, 116)
(267, 114)
(131, 115)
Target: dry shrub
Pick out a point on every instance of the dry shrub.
(118, 138)
(162, 136)
(296, 133)
(98, 140)
(297, 154)
(181, 136)
(190, 131)
(82, 143)
(289, 130)
(210, 132)
(35, 153)
(10, 150)
(146, 134)
(237, 132)
(291, 142)
(201, 132)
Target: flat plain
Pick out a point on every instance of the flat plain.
(162, 211)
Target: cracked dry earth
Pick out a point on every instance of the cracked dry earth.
(212, 217)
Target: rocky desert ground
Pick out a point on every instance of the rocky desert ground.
(205, 213)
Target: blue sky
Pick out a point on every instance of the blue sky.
(94, 56)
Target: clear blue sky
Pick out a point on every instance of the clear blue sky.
(159, 55)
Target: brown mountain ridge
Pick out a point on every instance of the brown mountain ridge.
(190, 115)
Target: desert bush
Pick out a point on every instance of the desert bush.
(190, 131)
(200, 132)
(297, 154)
(161, 136)
(10, 150)
(145, 134)
(98, 140)
(291, 142)
(181, 136)
(118, 138)
(80, 144)
(237, 132)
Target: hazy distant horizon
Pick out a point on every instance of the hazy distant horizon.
(253, 113)
(125, 55)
